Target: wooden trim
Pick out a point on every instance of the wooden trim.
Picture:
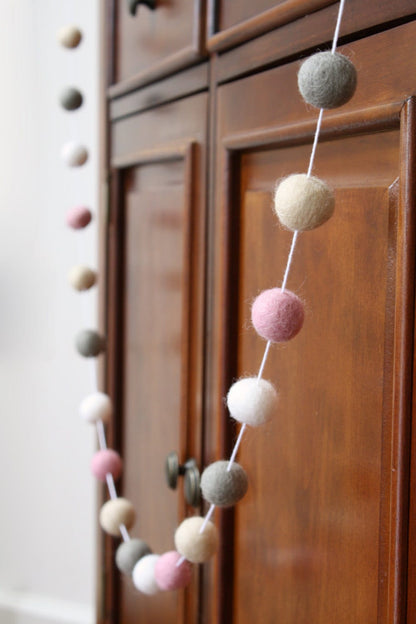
(176, 151)
(284, 13)
(377, 118)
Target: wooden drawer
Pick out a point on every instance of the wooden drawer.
(154, 43)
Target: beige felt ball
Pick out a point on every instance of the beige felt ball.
(74, 154)
(116, 512)
(95, 407)
(303, 203)
(195, 546)
(82, 277)
(69, 36)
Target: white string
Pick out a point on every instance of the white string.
(315, 141)
(207, 518)
(289, 260)
(263, 362)
(236, 446)
(338, 25)
(101, 435)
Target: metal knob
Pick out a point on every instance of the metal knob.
(132, 4)
(188, 470)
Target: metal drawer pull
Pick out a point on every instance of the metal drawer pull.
(189, 471)
(132, 4)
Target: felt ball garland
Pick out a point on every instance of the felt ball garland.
(302, 202)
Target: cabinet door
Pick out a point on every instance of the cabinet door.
(154, 43)
(322, 535)
(155, 334)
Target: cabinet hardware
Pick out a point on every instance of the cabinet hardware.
(132, 4)
(188, 470)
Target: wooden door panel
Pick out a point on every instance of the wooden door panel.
(322, 535)
(156, 43)
(155, 331)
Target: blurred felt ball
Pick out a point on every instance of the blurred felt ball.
(70, 98)
(74, 154)
(69, 36)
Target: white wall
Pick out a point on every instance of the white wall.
(47, 513)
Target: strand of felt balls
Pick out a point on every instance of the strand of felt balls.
(302, 202)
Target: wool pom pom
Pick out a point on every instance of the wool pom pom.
(277, 315)
(195, 546)
(327, 80)
(144, 575)
(69, 36)
(116, 512)
(104, 462)
(82, 277)
(74, 154)
(129, 553)
(303, 203)
(223, 487)
(252, 401)
(78, 217)
(89, 343)
(95, 407)
(70, 98)
(168, 575)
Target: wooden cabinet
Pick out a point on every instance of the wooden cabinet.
(326, 531)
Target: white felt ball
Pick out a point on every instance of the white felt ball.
(96, 406)
(69, 36)
(195, 546)
(116, 512)
(82, 277)
(144, 575)
(74, 154)
(303, 203)
(252, 401)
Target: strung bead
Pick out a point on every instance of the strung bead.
(82, 277)
(327, 80)
(252, 401)
(195, 546)
(144, 575)
(277, 315)
(69, 36)
(104, 462)
(89, 343)
(74, 154)
(78, 217)
(95, 407)
(303, 203)
(223, 487)
(168, 575)
(70, 98)
(129, 553)
(116, 512)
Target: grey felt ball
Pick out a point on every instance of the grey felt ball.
(327, 80)
(70, 98)
(129, 553)
(89, 343)
(223, 487)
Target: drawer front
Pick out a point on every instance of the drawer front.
(154, 43)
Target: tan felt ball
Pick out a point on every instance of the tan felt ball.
(69, 36)
(82, 277)
(195, 546)
(116, 512)
(303, 203)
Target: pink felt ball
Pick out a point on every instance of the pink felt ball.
(78, 217)
(106, 462)
(168, 575)
(277, 315)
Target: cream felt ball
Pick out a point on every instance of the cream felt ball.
(195, 546)
(223, 487)
(327, 80)
(116, 512)
(168, 575)
(104, 462)
(129, 553)
(78, 217)
(95, 407)
(252, 401)
(303, 203)
(144, 575)
(277, 315)
(82, 277)
(69, 36)
(70, 98)
(74, 154)
(89, 343)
